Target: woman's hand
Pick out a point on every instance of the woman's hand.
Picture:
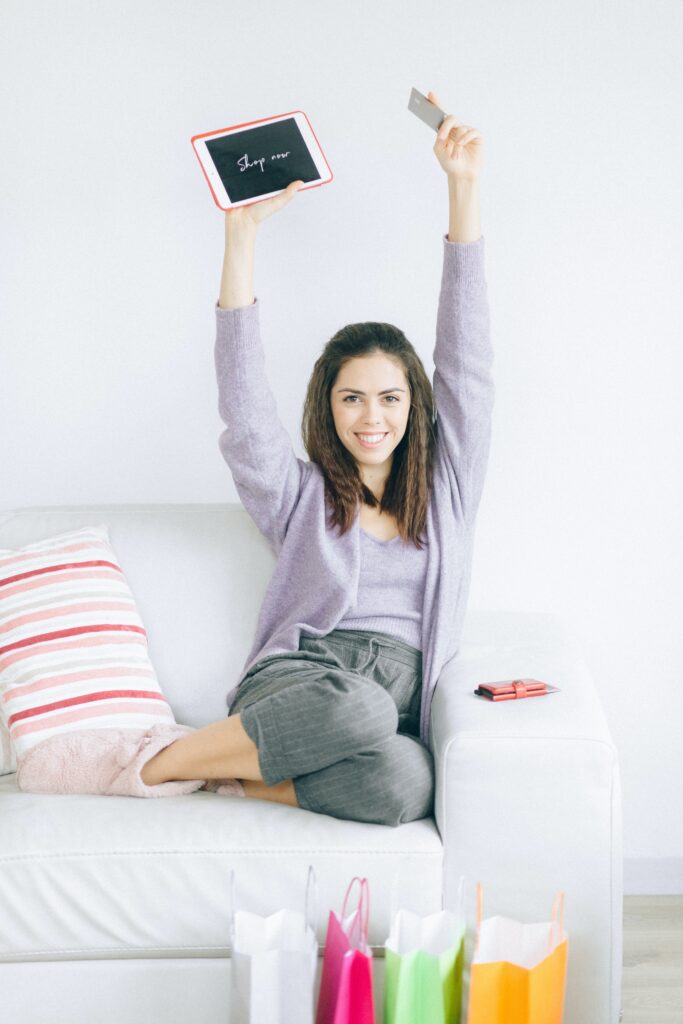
(249, 217)
(458, 148)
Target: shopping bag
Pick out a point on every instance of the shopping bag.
(345, 995)
(424, 959)
(274, 961)
(518, 971)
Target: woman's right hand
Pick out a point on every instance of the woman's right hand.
(249, 217)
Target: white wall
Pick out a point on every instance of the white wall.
(111, 256)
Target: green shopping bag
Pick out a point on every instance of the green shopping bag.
(423, 965)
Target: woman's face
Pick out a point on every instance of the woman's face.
(360, 408)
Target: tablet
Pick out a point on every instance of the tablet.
(249, 162)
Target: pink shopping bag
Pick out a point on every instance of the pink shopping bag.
(346, 995)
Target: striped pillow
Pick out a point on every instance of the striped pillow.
(73, 650)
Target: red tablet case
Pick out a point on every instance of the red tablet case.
(249, 124)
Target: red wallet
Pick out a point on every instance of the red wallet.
(513, 689)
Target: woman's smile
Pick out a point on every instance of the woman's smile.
(371, 440)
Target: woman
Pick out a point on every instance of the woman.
(373, 538)
(331, 720)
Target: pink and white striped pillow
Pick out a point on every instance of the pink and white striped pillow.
(73, 650)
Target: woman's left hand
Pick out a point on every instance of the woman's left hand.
(458, 148)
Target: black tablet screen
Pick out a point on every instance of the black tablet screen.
(262, 159)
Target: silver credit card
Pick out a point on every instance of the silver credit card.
(426, 110)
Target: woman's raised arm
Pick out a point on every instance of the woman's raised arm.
(237, 281)
(463, 356)
(255, 445)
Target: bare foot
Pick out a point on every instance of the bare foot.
(151, 773)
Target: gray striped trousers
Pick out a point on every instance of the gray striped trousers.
(340, 717)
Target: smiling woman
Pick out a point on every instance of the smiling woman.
(369, 419)
(368, 422)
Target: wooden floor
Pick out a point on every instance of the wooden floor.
(652, 988)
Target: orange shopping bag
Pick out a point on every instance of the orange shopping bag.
(518, 971)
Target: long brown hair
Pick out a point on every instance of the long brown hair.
(407, 490)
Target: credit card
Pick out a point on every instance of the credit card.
(426, 110)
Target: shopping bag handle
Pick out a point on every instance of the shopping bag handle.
(461, 897)
(558, 902)
(310, 912)
(460, 906)
(311, 908)
(363, 904)
(231, 909)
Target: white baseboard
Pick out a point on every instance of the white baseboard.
(653, 876)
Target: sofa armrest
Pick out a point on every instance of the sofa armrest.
(528, 797)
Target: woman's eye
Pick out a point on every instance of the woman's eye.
(394, 397)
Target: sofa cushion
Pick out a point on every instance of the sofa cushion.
(73, 649)
(106, 877)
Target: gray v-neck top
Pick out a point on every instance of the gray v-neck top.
(390, 589)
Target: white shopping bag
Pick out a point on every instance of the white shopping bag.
(274, 960)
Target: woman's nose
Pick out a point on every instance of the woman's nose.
(373, 417)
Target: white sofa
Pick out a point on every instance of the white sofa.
(114, 909)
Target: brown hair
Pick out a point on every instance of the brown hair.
(407, 490)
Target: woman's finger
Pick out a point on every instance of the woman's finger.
(288, 193)
(447, 125)
(470, 134)
(462, 135)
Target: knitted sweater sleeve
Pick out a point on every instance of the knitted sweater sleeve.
(463, 383)
(255, 445)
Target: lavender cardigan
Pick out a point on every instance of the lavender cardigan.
(315, 580)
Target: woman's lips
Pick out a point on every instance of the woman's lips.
(376, 444)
